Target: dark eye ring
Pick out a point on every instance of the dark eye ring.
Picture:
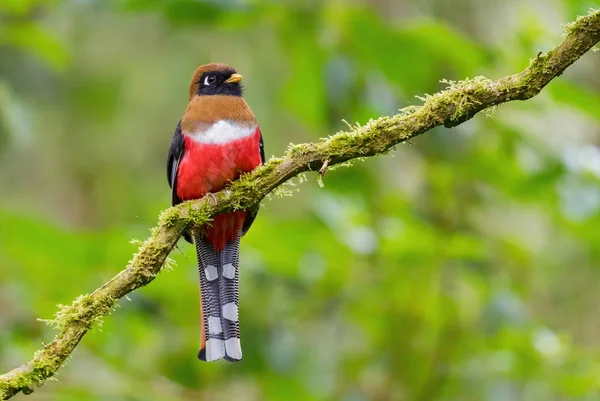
(210, 80)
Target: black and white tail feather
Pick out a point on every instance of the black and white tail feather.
(219, 277)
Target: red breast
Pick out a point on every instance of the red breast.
(215, 155)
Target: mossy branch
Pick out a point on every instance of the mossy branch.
(458, 103)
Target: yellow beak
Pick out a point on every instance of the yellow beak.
(234, 78)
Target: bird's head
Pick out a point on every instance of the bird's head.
(215, 79)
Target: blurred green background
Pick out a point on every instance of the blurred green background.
(465, 266)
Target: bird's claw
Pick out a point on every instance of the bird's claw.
(212, 197)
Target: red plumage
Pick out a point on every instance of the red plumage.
(208, 168)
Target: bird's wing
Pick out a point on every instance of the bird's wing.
(175, 155)
(262, 148)
(251, 215)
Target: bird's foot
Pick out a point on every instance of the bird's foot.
(212, 197)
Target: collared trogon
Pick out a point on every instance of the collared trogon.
(216, 141)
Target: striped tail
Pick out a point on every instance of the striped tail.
(219, 300)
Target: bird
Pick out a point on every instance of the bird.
(216, 141)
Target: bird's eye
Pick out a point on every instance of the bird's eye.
(211, 79)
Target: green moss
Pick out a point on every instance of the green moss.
(86, 311)
(171, 217)
(43, 366)
(461, 98)
(149, 258)
(136, 242)
(298, 150)
(270, 165)
(490, 112)
(169, 264)
(583, 23)
(302, 178)
(19, 382)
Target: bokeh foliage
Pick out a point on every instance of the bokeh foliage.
(462, 267)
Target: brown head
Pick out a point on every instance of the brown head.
(215, 79)
(215, 94)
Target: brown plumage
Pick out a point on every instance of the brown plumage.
(206, 110)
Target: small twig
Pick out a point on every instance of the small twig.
(323, 169)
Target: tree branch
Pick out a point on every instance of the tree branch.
(451, 107)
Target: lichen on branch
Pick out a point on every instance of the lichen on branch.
(459, 102)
